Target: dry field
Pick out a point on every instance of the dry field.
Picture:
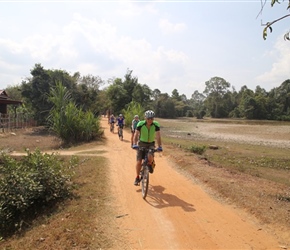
(250, 169)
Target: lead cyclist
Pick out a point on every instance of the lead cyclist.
(146, 131)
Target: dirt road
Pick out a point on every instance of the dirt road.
(177, 213)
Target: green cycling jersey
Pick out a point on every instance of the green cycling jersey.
(147, 135)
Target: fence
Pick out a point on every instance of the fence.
(10, 122)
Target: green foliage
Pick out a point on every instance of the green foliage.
(36, 91)
(165, 106)
(216, 98)
(70, 123)
(133, 109)
(197, 149)
(189, 113)
(31, 183)
(216, 101)
(269, 24)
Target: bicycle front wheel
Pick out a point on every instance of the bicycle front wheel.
(145, 182)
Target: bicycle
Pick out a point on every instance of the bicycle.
(112, 127)
(144, 172)
(120, 132)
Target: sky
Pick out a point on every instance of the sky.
(167, 44)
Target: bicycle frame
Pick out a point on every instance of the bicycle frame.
(144, 173)
(120, 133)
(112, 126)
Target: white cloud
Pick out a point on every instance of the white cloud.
(280, 70)
(169, 28)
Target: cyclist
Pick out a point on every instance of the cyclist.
(111, 122)
(146, 131)
(120, 122)
(133, 127)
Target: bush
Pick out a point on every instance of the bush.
(70, 122)
(34, 181)
(189, 113)
(197, 149)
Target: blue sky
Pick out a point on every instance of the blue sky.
(168, 44)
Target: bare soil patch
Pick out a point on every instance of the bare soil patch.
(30, 138)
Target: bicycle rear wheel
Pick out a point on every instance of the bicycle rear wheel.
(145, 182)
(121, 134)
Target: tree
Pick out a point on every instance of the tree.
(165, 107)
(268, 25)
(175, 95)
(142, 94)
(215, 90)
(116, 97)
(87, 94)
(129, 84)
(36, 90)
(197, 100)
(155, 94)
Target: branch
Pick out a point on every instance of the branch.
(262, 7)
(269, 24)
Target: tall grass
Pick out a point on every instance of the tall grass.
(134, 108)
(68, 121)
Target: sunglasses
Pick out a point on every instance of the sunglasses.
(150, 118)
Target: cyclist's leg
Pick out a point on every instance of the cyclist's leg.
(138, 167)
(139, 157)
(132, 137)
(151, 153)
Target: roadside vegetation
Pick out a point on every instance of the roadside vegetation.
(29, 184)
(83, 221)
(70, 123)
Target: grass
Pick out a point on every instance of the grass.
(59, 227)
(260, 161)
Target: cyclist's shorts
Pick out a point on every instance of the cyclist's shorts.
(140, 153)
(121, 125)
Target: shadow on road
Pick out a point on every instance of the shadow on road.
(159, 199)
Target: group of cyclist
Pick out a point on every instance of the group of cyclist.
(120, 122)
(143, 135)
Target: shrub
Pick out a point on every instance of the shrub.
(197, 149)
(189, 113)
(134, 108)
(68, 121)
(34, 181)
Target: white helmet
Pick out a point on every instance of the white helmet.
(149, 114)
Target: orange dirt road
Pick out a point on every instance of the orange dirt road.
(177, 213)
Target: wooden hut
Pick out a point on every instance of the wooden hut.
(5, 100)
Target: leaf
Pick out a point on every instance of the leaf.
(273, 2)
(270, 28)
(265, 33)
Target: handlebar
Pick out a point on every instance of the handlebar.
(146, 149)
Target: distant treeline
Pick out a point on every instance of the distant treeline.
(90, 93)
